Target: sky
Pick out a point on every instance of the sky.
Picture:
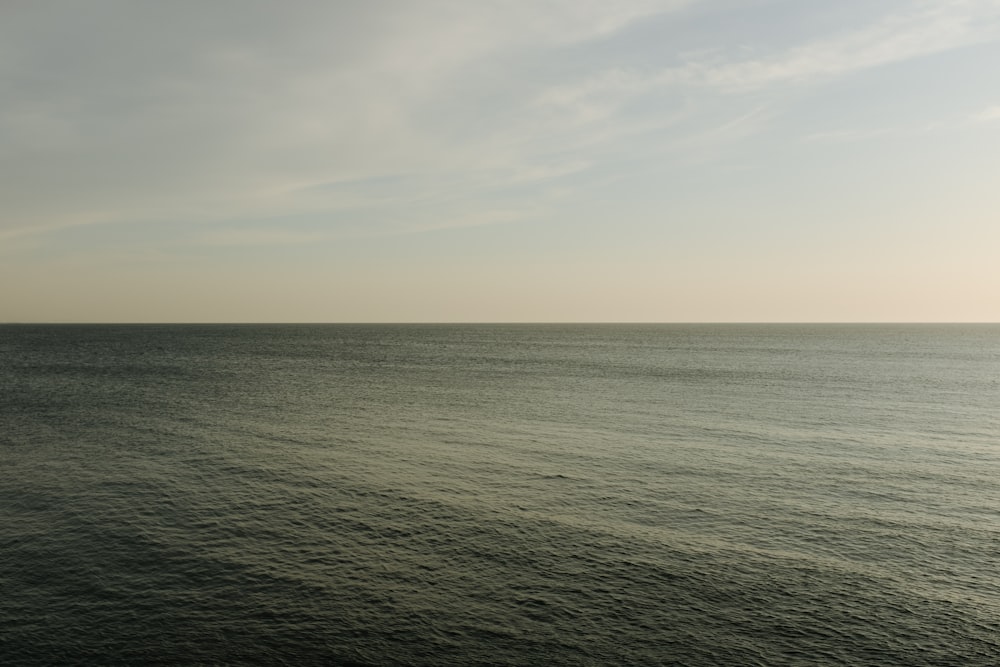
(499, 161)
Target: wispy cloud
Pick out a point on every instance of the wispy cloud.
(847, 135)
(947, 123)
(217, 119)
(928, 29)
(925, 30)
(914, 31)
(992, 114)
(261, 237)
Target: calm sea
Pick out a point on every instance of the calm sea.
(500, 495)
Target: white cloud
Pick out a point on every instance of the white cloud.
(262, 237)
(930, 28)
(127, 111)
(988, 115)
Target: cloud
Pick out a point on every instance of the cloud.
(261, 237)
(140, 110)
(928, 29)
(847, 135)
(989, 115)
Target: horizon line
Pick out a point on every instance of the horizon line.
(493, 322)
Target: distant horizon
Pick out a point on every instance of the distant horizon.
(498, 323)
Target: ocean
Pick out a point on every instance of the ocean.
(500, 494)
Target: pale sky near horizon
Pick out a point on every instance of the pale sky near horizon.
(543, 160)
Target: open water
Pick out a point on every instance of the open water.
(500, 495)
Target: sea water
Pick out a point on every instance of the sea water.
(500, 494)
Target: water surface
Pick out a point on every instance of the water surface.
(425, 495)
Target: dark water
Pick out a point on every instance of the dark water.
(770, 495)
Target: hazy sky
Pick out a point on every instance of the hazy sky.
(480, 160)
